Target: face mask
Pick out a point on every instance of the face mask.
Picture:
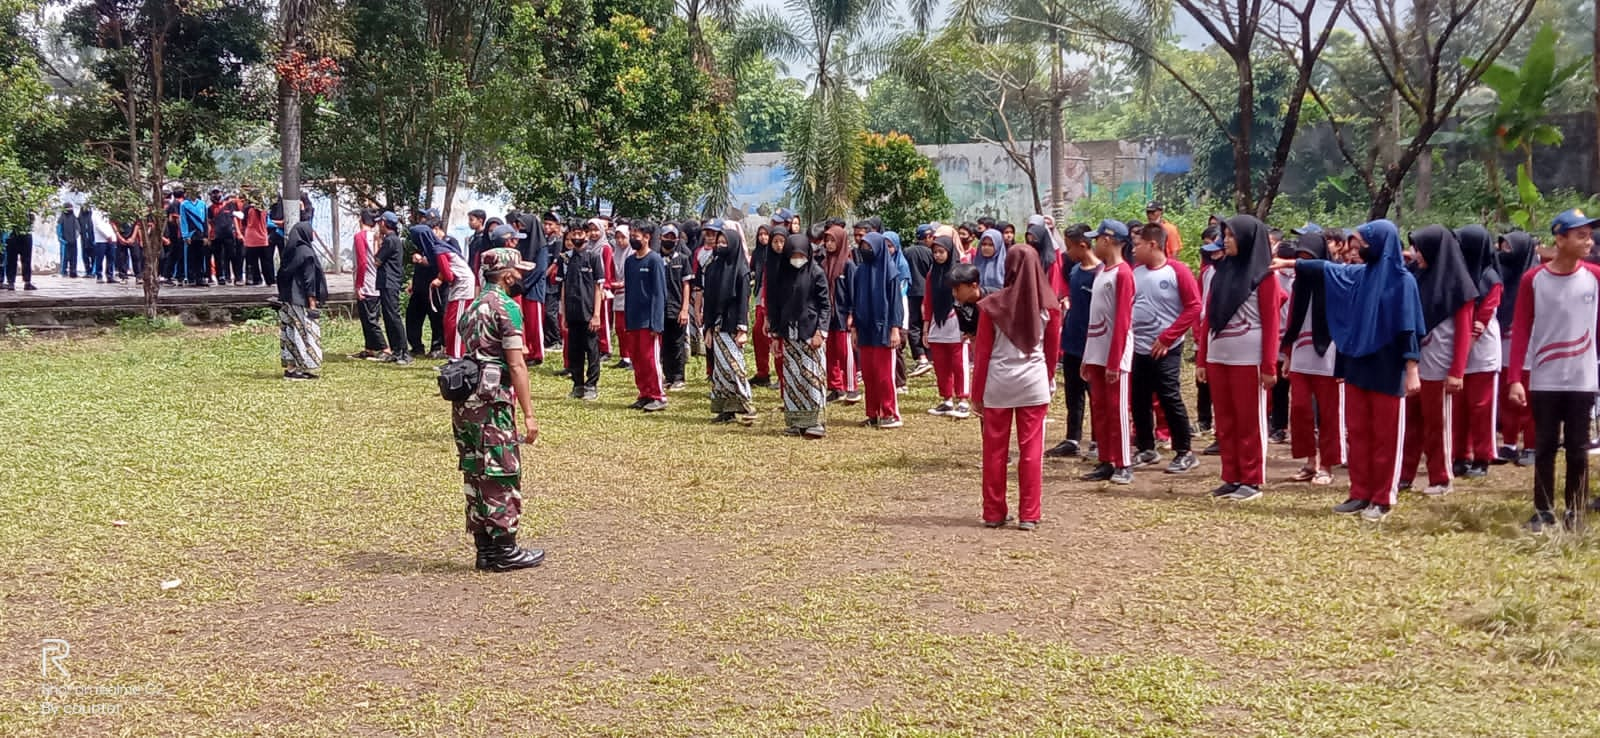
(798, 262)
(668, 244)
(866, 253)
(514, 289)
(1369, 255)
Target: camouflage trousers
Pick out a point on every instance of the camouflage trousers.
(491, 465)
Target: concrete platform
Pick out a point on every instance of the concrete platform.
(63, 302)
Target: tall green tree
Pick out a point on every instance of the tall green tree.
(24, 108)
(768, 102)
(899, 184)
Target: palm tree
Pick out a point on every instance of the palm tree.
(838, 40)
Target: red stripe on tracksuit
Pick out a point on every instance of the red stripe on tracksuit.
(763, 343)
(877, 378)
(841, 361)
(1428, 430)
(1316, 434)
(643, 346)
(1474, 411)
(1516, 421)
(1108, 412)
(996, 457)
(1377, 431)
(1239, 410)
(453, 312)
(533, 328)
(950, 369)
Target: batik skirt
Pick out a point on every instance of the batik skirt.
(299, 338)
(804, 384)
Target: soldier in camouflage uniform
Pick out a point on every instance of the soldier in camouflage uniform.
(486, 430)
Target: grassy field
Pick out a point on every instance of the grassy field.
(714, 580)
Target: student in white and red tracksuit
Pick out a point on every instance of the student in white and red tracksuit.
(1166, 305)
(841, 353)
(1316, 392)
(616, 316)
(1474, 412)
(1517, 256)
(644, 277)
(1553, 351)
(1375, 317)
(1016, 347)
(878, 324)
(535, 284)
(1238, 353)
(1108, 355)
(942, 332)
(1448, 294)
(460, 288)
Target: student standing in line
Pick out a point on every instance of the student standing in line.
(67, 232)
(532, 247)
(1074, 332)
(877, 325)
(1553, 351)
(105, 247)
(1108, 355)
(1166, 305)
(903, 274)
(919, 259)
(583, 305)
(18, 247)
(1375, 317)
(990, 259)
(594, 233)
(1474, 411)
(369, 301)
(423, 308)
(797, 312)
(301, 290)
(1517, 256)
(645, 286)
(456, 285)
(257, 246)
(554, 244)
(1238, 354)
(621, 250)
(726, 306)
(391, 277)
(1210, 254)
(1019, 335)
(840, 269)
(675, 316)
(946, 345)
(1316, 394)
(763, 259)
(1448, 293)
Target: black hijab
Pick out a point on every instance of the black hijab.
(1039, 236)
(1310, 246)
(1444, 284)
(726, 283)
(1514, 262)
(939, 291)
(793, 291)
(1477, 248)
(1239, 275)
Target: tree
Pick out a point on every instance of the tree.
(767, 103)
(836, 40)
(24, 189)
(900, 185)
(1415, 50)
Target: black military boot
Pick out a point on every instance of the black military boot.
(486, 549)
(507, 556)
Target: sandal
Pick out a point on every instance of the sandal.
(1323, 478)
(1305, 474)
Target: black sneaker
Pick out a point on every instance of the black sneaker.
(564, 373)
(1028, 525)
(869, 423)
(1204, 427)
(1244, 493)
(28, 287)
(638, 404)
(1540, 521)
(996, 523)
(1215, 449)
(1459, 468)
(624, 364)
(404, 360)
(834, 396)
(1224, 489)
(1147, 457)
(1405, 484)
(1476, 470)
(1279, 436)
(575, 394)
(761, 380)
(1123, 475)
(1526, 458)
(1504, 455)
(1182, 462)
(1101, 473)
(1351, 506)
(1063, 450)
(723, 418)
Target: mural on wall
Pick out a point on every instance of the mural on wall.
(982, 180)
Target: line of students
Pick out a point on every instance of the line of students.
(1391, 356)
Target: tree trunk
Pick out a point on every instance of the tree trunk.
(1058, 162)
(152, 248)
(1424, 195)
(1242, 189)
(293, 15)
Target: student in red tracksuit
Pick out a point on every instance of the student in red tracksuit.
(1517, 256)
(1016, 347)
(1376, 319)
(1448, 294)
(841, 354)
(942, 334)
(1238, 354)
(1316, 392)
(1108, 355)
(1474, 411)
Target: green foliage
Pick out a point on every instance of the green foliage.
(767, 104)
(900, 185)
(23, 108)
(139, 325)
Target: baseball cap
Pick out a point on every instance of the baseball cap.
(429, 213)
(1309, 227)
(715, 224)
(923, 231)
(495, 260)
(782, 216)
(1109, 227)
(503, 232)
(390, 218)
(1569, 220)
(669, 230)
(1153, 205)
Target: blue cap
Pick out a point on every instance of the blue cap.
(430, 213)
(923, 231)
(1214, 246)
(1109, 227)
(1309, 227)
(715, 224)
(782, 216)
(390, 218)
(1569, 220)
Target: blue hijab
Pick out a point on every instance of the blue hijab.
(902, 267)
(1370, 304)
(992, 269)
(875, 293)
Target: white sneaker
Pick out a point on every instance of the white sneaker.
(1437, 490)
(962, 411)
(922, 367)
(1375, 513)
(887, 423)
(943, 408)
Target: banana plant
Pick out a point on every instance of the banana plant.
(1518, 122)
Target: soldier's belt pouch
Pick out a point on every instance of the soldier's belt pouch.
(458, 380)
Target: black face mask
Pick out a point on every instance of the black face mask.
(669, 244)
(515, 289)
(864, 253)
(1369, 255)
